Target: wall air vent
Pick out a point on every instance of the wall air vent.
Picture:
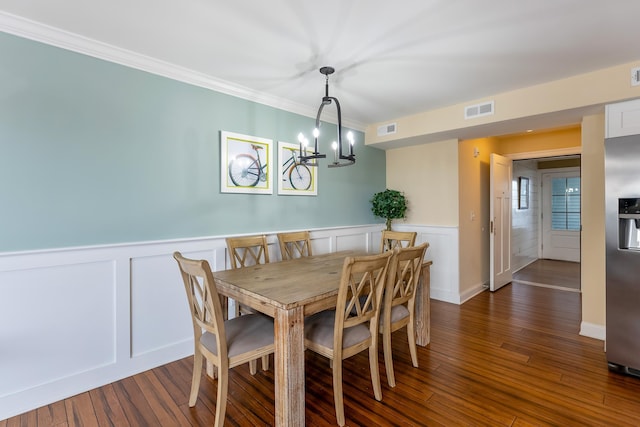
(478, 110)
(387, 129)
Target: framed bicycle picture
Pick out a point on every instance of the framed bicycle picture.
(295, 178)
(245, 164)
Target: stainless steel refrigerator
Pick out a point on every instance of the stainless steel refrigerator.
(622, 218)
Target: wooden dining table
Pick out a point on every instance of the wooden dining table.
(288, 291)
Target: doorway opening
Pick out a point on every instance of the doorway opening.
(546, 230)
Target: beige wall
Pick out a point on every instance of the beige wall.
(590, 89)
(592, 269)
(428, 175)
(457, 184)
(435, 202)
(474, 193)
(474, 211)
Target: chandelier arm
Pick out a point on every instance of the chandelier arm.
(326, 100)
(339, 125)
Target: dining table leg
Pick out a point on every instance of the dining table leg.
(289, 367)
(423, 306)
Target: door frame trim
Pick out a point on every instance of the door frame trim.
(560, 171)
(544, 153)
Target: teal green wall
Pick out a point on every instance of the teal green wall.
(93, 152)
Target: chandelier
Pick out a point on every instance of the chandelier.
(311, 158)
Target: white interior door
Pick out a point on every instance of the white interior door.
(500, 226)
(561, 215)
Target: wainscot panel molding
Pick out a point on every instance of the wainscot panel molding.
(78, 318)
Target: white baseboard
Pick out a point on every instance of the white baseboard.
(591, 330)
(470, 293)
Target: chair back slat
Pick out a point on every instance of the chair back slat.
(397, 239)
(294, 245)
(247, 251)
(361, 287)
(404, 276)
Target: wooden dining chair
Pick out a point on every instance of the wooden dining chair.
(399, 303)
(225, 344)
(353, 326)
(294, 245)
(397, 239)
(246, 251)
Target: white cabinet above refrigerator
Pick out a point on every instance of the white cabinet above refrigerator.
(622, 119)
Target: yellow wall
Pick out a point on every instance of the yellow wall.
(428, 175)
(540, 141)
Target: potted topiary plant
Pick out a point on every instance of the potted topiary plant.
(389, 204)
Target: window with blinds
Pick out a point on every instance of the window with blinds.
(565, 204)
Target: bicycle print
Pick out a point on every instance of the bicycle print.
(294, 178)
(246, 170)
(245, 164)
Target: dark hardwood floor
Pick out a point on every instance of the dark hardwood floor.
(509, 358)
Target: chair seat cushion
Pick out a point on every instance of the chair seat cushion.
(244, 333)
(398, 312)
(320, 329)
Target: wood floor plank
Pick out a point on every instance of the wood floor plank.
(165, 409)
(108, 410)
(255, 397)
(135, 406)
(80, 411)
(177, 381)
(52, 415)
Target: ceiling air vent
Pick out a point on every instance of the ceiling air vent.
(387, 129)
(478, 110)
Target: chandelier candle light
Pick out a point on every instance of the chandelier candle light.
(310, 159)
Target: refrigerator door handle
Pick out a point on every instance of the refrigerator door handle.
(629, 216)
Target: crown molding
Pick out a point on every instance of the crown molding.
(32, 30)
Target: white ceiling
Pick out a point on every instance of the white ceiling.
(393, 58)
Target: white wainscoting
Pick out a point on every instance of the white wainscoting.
(443, 251)
(78, 318)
